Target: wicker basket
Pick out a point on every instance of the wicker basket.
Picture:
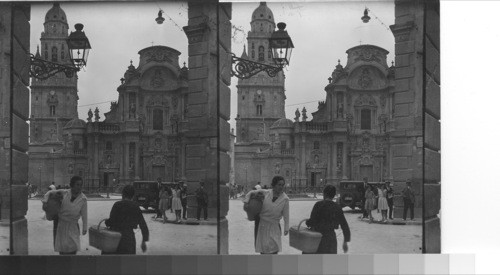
(254, 206)
(103, 238)
(304, 239)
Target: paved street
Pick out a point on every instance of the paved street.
(165, 239)
(365, 238)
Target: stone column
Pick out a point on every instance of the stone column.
(14, 111)
(208, 109)
(136, 163)
(407, 141)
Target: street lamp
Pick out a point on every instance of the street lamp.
(79, 47)
(281, 48)
(365, 17)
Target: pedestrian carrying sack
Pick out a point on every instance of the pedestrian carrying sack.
(103, 238)
(304, 239)
(254, 205)
(52, 206)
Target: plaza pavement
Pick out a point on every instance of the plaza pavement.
(365, 238)
(165, 239)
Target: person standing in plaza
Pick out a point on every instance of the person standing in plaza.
(369, 202)
(184, 200)
(176, 203)
(382, 202)
(275, 206)
(363, 199)
(159, 213)
(202, 201)
(408, 200)
(163, 203)
(73, 207)
(124, 217)
(390, 199)
(326, 216)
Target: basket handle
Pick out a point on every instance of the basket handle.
(99, 225)
(298, 227)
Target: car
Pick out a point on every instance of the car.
(148, 192)
(351, 193)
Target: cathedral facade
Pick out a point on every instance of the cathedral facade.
(347, 138)
(140, 138)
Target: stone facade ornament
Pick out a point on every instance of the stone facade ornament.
(365, 100)
(157, 80)
(297, 115)
(96, 114)
(157, 55)
(304, 114)
(89, 119)
(365, 81)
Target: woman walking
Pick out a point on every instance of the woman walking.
(326, 216)
(275, 206)
(124, 217)
(176, 203)
(163, 204)
(370, 202)
(73, 207)
(382, 202)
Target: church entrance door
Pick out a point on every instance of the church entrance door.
(158, 172)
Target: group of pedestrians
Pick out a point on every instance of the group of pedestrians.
(174, 199)
(382, 199)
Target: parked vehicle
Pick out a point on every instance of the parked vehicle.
(148, 192)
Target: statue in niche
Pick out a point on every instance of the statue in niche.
(158, 144)
(142, 122)
(316, 159)
(53, 134)
(108, 160)
(132, 110)
(70, 169)
(297, 115)
(89, 119)
(96, 114)
(277, 169)
(340, 110)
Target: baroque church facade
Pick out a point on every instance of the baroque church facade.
(347, 138)
(140, 138)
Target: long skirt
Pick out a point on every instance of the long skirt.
(176, 204)
(327, 245)
(163, 204)
(268, 237)
(67, 236)
(382, 203)
(127, 244)
(369, 204)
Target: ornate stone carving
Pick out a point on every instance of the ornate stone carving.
(158, 55)
(175, 101)
(383, 100)
(89, 119)
(157, 80)
(365, 79)
(365, 100)
(297, 115)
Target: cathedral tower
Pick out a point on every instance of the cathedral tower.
(261, 98)
(53, 101)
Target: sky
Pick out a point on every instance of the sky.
(117, 32)
(321, 33)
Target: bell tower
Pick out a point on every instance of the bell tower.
(54, 101)
(261, 98)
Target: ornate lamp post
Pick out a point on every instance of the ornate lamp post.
(281, 47)
(79, 47)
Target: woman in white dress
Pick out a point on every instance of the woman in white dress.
(382, 202)
(275, 206)
(73, 207)
(176, 203)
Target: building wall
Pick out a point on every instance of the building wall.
(407, 140)
(14, 98)
(432, 130)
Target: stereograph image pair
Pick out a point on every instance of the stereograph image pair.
(198, 128)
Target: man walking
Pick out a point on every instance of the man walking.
(183, 199)
(408, 200)
(202, 200)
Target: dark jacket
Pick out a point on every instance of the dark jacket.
(201, 196)
(409, 195)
